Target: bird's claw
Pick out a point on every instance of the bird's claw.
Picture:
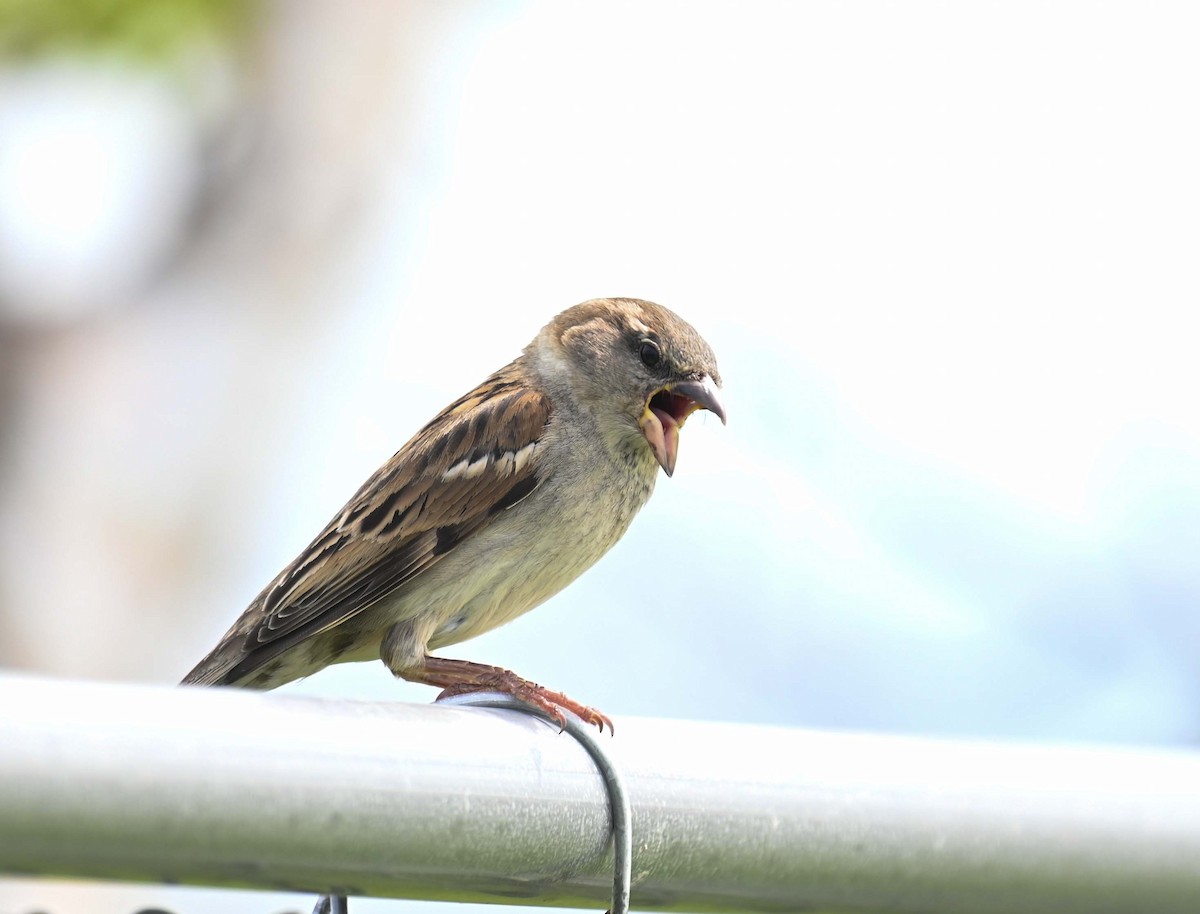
(549, 702)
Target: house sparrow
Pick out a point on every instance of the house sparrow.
(506, 497)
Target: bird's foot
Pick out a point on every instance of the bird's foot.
(462, 677)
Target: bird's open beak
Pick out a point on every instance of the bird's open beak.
(666, 411)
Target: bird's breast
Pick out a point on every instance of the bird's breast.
(533, 550)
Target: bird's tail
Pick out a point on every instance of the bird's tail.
(214, 669)
(229, 663)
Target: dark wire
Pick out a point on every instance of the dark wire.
(620, 811)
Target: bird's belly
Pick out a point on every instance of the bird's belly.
(512, 588)
(494, 583)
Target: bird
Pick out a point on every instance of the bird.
(503, 499)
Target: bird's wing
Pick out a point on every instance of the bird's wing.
(476, 459)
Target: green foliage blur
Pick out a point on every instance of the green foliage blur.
(148, 31)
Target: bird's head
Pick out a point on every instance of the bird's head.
(639, 368)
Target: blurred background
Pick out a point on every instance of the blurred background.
(946, 254)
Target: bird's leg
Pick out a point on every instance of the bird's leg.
(459, 677)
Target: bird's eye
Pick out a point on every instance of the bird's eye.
(650, 354)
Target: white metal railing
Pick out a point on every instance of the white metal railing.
(229, 788)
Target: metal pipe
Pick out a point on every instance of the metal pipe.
(230, 788)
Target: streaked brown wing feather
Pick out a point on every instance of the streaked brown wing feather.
(409, 514)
